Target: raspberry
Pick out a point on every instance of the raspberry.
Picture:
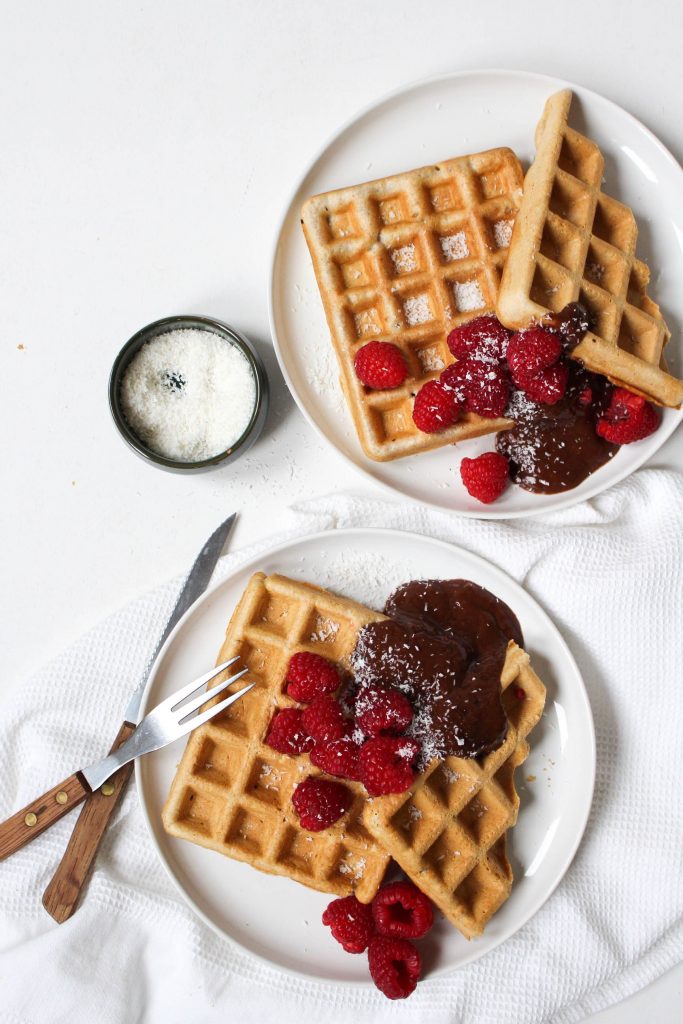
(628, 418)
(483, 338)
(380, 365)
(484, 387)
(456, 378)
(310, 676)
(287, 732)
(436, 407)
(400, 910)
(324, 719)
(548, 386)
(350, 922)
(386, 764)
(531, 351)
(395, 966)
(485, 477)
(338, 757)
(519, 693)
(383, 711)
(320, 802)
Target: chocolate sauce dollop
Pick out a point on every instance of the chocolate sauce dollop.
(444, 646)
(554, 448)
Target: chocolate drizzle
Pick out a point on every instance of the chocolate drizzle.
(444, 646)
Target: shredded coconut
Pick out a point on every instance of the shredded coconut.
(188, 394)
(404, 259)
(417, 310)
(502, 233)
(595, 271)
(468, 296)
(455, 247)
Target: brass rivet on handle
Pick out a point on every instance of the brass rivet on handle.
(30, 819)
(107, 789)
(61, 797)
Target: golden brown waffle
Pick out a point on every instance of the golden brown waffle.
(405, 259)
(232, 792)
(448, 831)
(571, 242)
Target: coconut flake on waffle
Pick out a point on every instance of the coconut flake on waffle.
(455, 247)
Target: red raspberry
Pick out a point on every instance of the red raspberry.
(287, 732)
(484, 387)
(324, 719)
(310, 676)
(483, 338)
(627, 418)
(435, 408)
(402, 911)
(548, 386)
(338, 757)
(395, 966)
(485, 477)
(531, 351)
(383, 711)
(351, 923)
(320, 802)
(380, 365)
(386, 764)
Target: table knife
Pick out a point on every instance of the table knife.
(61, 897)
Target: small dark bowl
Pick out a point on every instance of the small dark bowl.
(201, 323)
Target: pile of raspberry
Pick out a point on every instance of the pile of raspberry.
(398, 913)
(359, 736)
(491, 364)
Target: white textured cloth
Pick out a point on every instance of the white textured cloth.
(609, 572)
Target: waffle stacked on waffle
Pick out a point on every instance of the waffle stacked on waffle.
(571, 242)
(232, 792)
(448, 831)
(405, 259)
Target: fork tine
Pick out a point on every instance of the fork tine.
(184, 692)
(187, 725)
(197, 702)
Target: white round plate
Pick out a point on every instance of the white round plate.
(465, 113)
(236, 900)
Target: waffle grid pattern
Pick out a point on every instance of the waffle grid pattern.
(448, 831)
(405, 259)
(572, 243)
(232, 793)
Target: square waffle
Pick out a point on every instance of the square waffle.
(448, 830)
(570, 243)
(405, 259)
(232, 792)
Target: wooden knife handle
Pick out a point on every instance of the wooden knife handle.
(61, 897)
(33, 819)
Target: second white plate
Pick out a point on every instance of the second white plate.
(465, 113)
(237, 901)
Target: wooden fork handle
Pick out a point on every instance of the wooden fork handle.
(61, 897)
(33, 819)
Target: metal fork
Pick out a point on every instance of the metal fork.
(168, 721)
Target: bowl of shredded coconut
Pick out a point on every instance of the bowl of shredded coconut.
(188, 393)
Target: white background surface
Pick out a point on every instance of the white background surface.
(146, 152)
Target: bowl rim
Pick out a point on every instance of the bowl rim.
(157, 328)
